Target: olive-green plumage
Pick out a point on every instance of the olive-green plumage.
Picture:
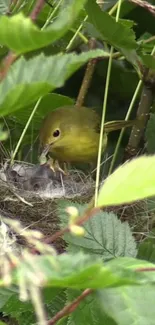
(72, 134)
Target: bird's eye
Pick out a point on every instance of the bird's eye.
(56, 133)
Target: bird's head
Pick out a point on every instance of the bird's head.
(59, 129)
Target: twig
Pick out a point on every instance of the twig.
(145, 269)
(144, 4)
(137, 132)
(150, 39)
(36, 11)
(88, 214)
(147, 98)
(87, 77)
(8, 60)
(70, 307)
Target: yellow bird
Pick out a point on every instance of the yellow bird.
(72, 134)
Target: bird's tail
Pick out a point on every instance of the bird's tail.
(117, 125)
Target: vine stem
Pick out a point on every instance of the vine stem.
(122, 131)
(104, 113)
(87, 77)
(37, 9)
(102, 127)
(75, 35)
(52, 14)
(24, 130)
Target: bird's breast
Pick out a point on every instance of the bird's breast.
(82, 150)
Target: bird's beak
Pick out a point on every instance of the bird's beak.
(42, 157)
(45, 150)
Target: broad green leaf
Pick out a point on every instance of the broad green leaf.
(135, 180)
(83, 271)
(5, 295)
(26, 81)
(23, 312)
(129, 305)
(4, 6)
(47, 104)
(130, 263)
(115, 33)
(21, 35)
(105, 235)
(148, 60)
(88, 311)
(146, 249)
(149, 134)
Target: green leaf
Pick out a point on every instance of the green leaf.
(115, 33)
(47, 104)
(21, 35)
(5, 295)
(26, 81)
(129, 305)
(3, 134)
(4, 6)
(146, 250)
(105, 235)
(82, 271)
(149, 134)
(135, 180)
(23, 312)
(148, 61)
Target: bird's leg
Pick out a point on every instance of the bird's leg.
(54, 165)
(66, 169)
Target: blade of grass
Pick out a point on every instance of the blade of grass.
(104, 112)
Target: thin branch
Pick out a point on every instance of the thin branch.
(137, 132)
(88, 214)
(87, 77)
(145, 269)
(37, 9)
(70, 307)
(7, 62)
(144, 4)
(151, 39)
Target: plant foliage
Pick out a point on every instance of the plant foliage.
(48, 52)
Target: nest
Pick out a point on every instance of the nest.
(31, 193)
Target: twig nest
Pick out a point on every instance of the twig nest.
(31, 194)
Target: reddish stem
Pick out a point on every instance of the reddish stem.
(37, 9)
(69, 308)
(89, 213)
